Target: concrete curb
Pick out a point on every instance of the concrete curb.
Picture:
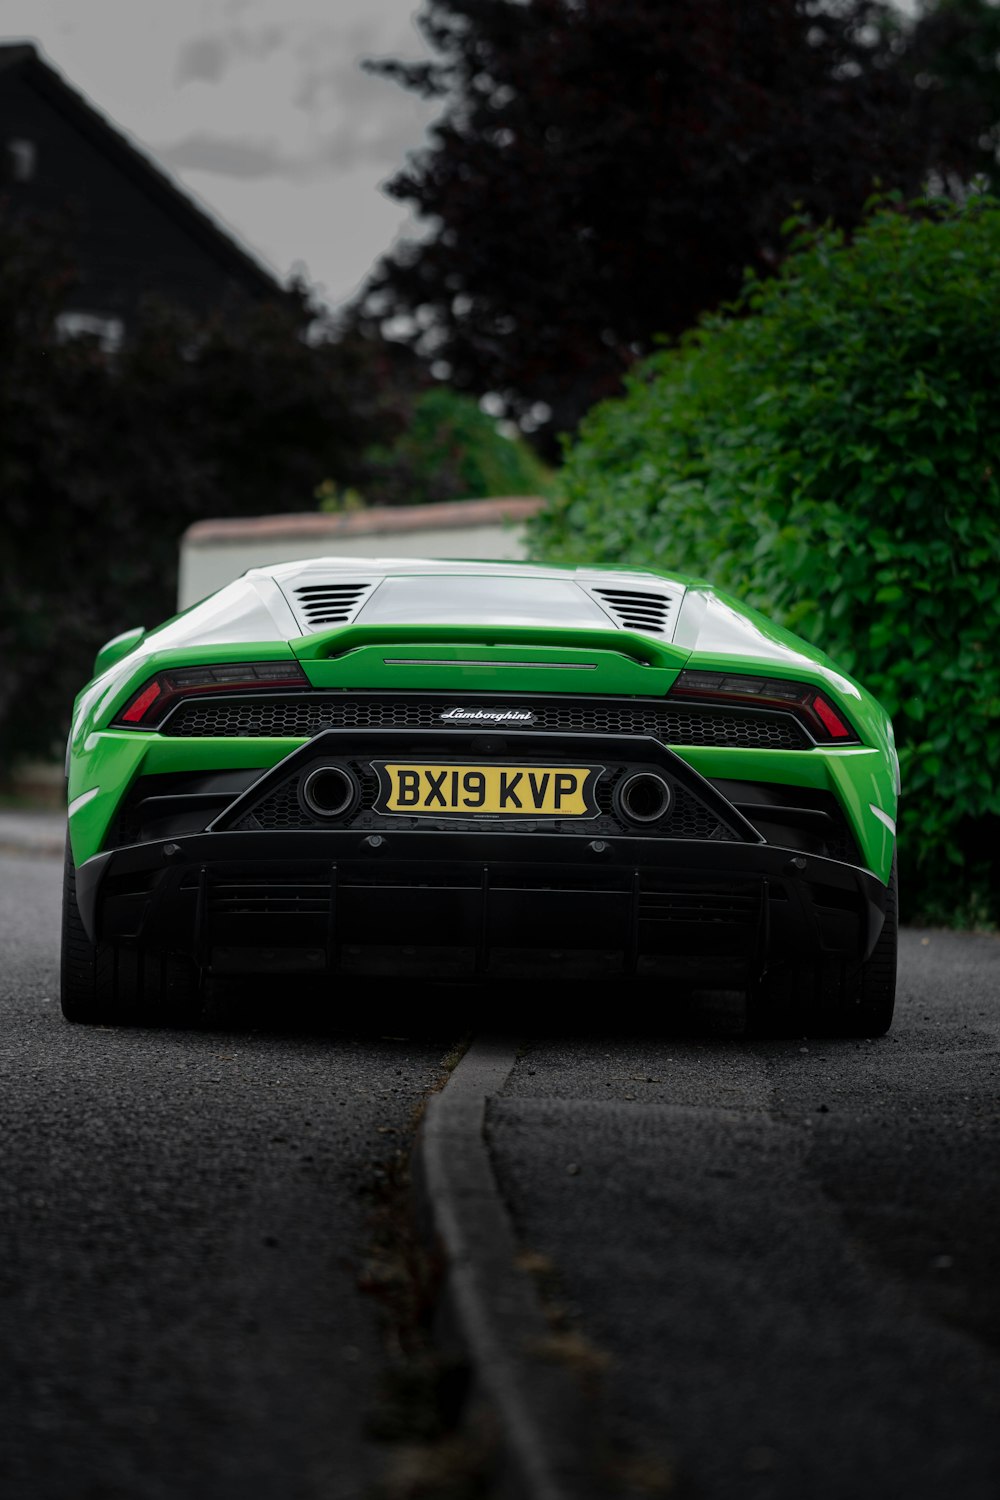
(489, 1307)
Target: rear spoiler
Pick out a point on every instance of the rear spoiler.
(520, 640)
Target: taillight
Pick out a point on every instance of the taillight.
(140, 706)
(812, 708)
(160, 693)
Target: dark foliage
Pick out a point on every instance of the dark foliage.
(451, 450)
(952, 57)
(604, 170)
(829, 451)
(104, 460)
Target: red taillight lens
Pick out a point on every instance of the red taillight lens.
(160, 693)
(825, 723)
(830, 719)
(139, 706)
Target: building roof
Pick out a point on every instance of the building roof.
(140, 168)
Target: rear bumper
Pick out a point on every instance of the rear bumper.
(466, 903)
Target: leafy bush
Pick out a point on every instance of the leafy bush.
(828, 447)
(451, 450)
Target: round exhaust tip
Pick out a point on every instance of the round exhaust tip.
(644, 797)
(329, 791)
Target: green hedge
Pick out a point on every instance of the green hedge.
(829, 448)
(451, 450)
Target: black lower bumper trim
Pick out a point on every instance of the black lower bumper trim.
(475, 903)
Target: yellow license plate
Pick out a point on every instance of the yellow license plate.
(498, 791)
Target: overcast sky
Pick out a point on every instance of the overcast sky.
(258, 107)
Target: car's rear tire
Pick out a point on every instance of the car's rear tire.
(108, 983)
(831, 997)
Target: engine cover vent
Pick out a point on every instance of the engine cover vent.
(320, 604)
(637, 609)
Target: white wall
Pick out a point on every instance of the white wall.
(213, 553)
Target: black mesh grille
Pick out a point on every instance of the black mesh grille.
(300, 717)
(688, 819)
(282, 808)
(838, 842)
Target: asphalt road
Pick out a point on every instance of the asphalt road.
(787, 1250)
(790, 1251)
(183, 1216)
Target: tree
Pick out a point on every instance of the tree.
(604, 170)
(828, 450)
(952, 56)
(104, 460)
(449, 450)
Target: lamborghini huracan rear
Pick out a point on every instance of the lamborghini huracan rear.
(363, 766)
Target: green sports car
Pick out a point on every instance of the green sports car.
(350, 766)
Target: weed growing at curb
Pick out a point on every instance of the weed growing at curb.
(626, 1475)
(430, 1454)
